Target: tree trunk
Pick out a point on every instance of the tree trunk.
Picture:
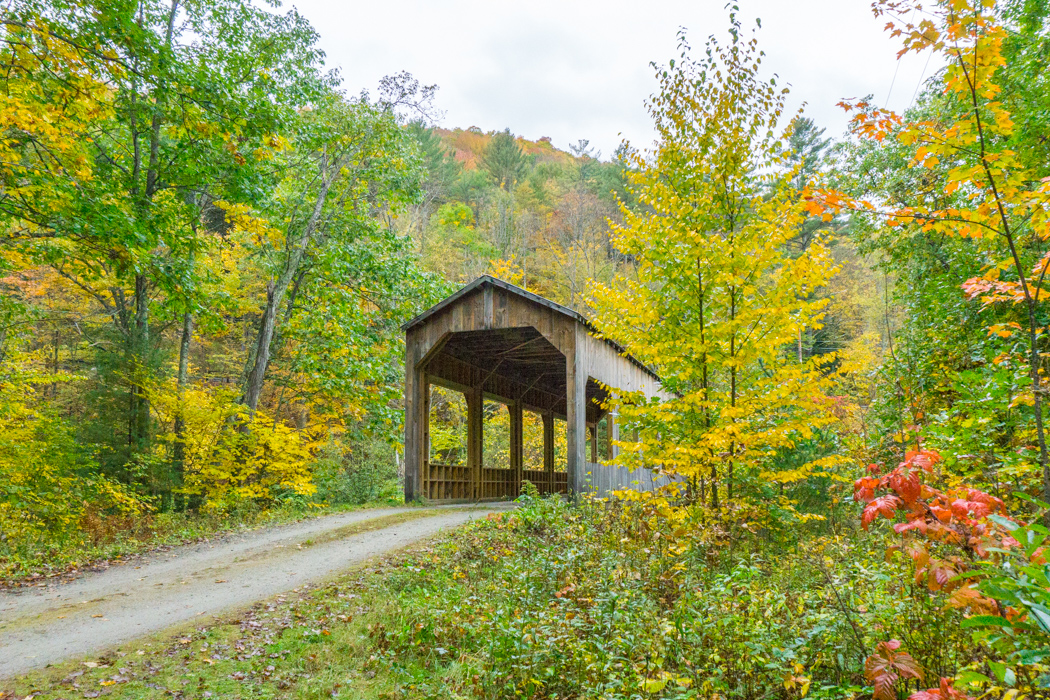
(276, 290)
(1031, 303)
(732, 394)
(140, 422)
(705, 382)
(179, 452)
(254, 383)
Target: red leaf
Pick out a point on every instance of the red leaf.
(942, 514)
(940, 573)
(969, 597)
(919, 556)
(883, 505)
(991, 502)
(945, 692)
(886, 665)
(901, 528)
(921, 459)
(960, 508)
(976, 505)
(929, 493)
(864, 488)
(906, 483)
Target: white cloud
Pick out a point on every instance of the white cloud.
(580, 69)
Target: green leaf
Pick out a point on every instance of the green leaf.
(653, 685)
(1004, 522)
(971, 677)
(1041, 614)
(1034, 501)
(1032, 656)
(986, 621)
(1003, 672)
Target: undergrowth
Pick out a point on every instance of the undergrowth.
(555, 601)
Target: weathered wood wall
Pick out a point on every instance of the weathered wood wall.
(553, 373)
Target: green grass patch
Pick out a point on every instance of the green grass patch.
(551, 601)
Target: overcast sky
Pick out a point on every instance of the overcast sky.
(579, 69)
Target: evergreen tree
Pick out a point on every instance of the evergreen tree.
(504, 160)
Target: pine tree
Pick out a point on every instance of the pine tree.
(504, 160)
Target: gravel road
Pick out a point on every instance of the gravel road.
(40, 626)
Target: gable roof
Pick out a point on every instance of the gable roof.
(489, 280)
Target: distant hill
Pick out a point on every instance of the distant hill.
(467, 145)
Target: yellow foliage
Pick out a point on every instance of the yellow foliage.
(229, 454)
(508, 270)
(246, 223)
(717, 303)
(43, 498)
(51, 118)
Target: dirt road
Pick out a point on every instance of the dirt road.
(39, 626)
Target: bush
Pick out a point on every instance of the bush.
(627, 600)
(232, 455)
(50, 494)
(363, 472)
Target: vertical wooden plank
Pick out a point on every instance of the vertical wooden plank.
(517, 447)
(475, 426)
(576, 415)
(548, 450)
(411, 412)
(502, 313)
(487, 306)
(610, 435)
(424, 475)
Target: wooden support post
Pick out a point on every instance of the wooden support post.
(419, 349)
(517, 446)
(475, 428)
(576, 422)
(548, 449)
(424, 457)
(414, 434)
(610, 436)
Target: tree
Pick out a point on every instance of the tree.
(716, 299)
(973, 184)
(196, 93)
(504, 160)
(442, 169)
(807, 158)
(1025, 88)
(350, 160)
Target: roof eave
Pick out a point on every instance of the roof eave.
(484, 280)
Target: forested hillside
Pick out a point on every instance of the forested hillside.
(208, 247)
(531, 213)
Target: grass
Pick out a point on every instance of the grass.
(551, 601)
(103, 542)
(311, 642)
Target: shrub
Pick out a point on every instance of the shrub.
(362, 472)
(50, 494)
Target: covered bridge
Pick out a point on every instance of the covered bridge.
(493, 341)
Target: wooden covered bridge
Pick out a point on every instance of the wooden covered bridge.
(493, 341)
